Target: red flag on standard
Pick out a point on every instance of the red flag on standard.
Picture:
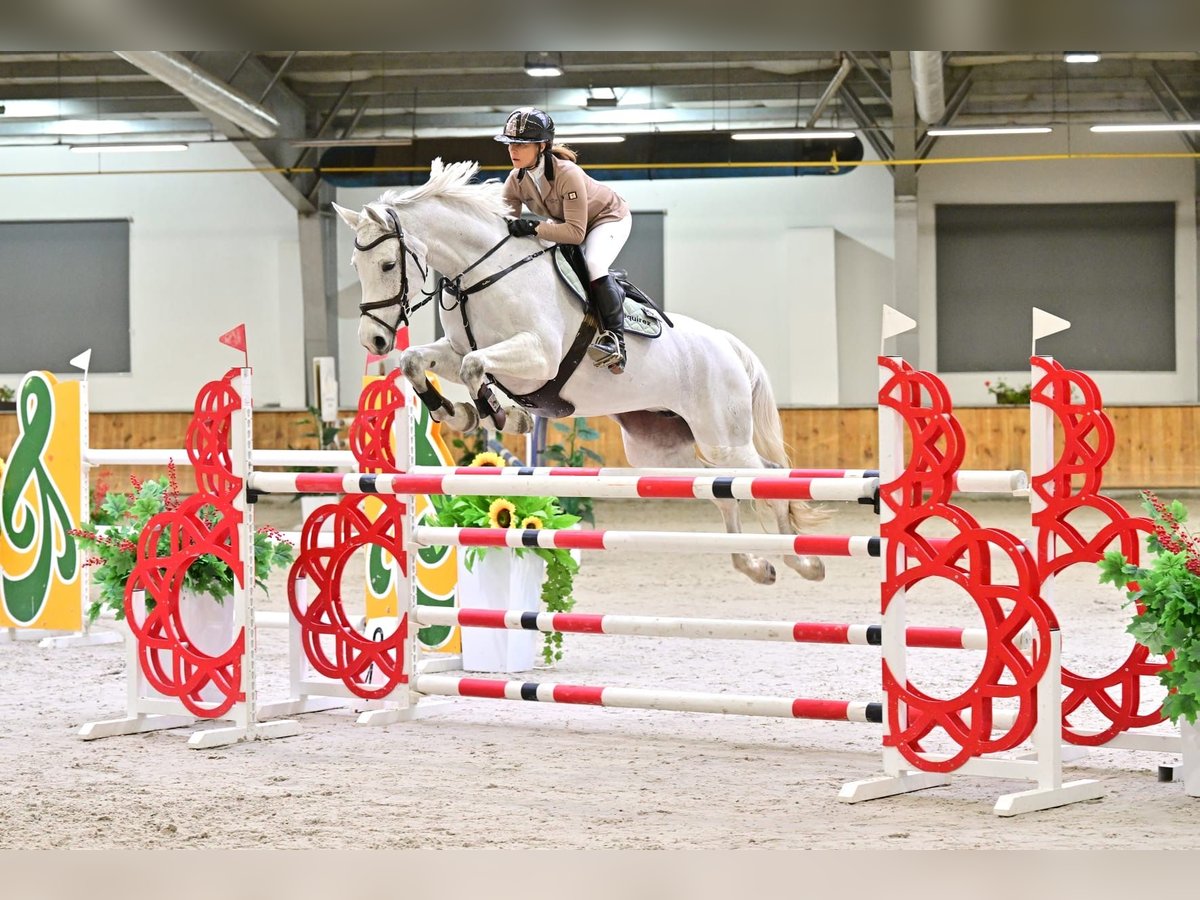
(235, 338)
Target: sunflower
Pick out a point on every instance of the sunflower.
(490, 459)
(500, 513)
(532, 522)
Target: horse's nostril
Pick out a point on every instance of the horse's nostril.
(380, 344)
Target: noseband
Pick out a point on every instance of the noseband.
(400, 298)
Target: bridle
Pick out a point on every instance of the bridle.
(452, 286)
(400, 298)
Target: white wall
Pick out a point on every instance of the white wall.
(207, 252)
(729, 248)
(1067, 181)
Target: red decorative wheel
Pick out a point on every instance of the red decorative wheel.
(1072, 484)
(1007, 609)
(918, 497)
(170, 661)
(371, 669)
(334, 647)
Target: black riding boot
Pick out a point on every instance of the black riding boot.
(609, 347)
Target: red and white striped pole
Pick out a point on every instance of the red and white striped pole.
(679, 701)
(613, 486)
(715, 629)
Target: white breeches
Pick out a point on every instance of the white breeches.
(602, 245)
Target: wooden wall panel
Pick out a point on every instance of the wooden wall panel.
(1157, 447)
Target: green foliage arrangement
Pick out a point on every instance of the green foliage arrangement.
(1007, 394)
(518, 512)
(469, 445)
(1167, 598)
(117, 521)
(571, 452)
(7, 394)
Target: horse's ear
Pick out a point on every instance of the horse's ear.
(377, 217)
(349, 216)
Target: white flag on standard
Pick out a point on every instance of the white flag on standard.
(83, 360)
(1046, 324)
(894, 323)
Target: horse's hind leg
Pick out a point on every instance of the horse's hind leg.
(809, 567)
(653, 440)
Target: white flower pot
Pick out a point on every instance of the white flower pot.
(208, 623)
(1190, 733)
(500, 580)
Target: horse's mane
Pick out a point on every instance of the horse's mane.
(453, 182)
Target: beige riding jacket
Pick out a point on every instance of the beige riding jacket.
(576, 201)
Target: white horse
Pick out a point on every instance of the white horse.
(694, 393)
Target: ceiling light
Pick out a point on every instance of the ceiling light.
(128, 148)
(1014, 129)
(601, 98)
(807, 135)
(1149, 126)
(1081, 56)
(543, 65)
(593, 138)
(88, 126)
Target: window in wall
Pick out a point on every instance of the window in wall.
(64, 287)
(1108, 268)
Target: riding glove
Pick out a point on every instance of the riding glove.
(522, 227)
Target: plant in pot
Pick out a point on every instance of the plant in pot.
(572, 452)
(117, 521)
(8, 398)
(1006, 394)
(1166, 595)
(558, 580)
(469, 445)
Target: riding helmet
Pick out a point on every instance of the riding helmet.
(527, 125)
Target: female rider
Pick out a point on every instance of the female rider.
(581, 210)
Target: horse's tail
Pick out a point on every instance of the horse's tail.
(768, 430)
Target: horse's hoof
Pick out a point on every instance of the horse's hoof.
(519, 421)
(810, 568)
(465, 418)
(761, 574)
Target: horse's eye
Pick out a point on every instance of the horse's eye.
(388, 266)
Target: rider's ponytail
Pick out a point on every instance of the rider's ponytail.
(562, 151)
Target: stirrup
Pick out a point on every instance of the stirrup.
(608, 350)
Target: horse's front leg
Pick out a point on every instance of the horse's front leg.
(444, 361)
(523, 355)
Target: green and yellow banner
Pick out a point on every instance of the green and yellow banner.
(437, 567)
(41, 500)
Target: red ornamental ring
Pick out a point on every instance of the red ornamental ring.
(1116, 695)
(938, 444)
(1087, 432)
(171, 663)
(967, 718)
(334, 647)
(371, 431)
(207, 440)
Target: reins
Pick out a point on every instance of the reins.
(444, 284)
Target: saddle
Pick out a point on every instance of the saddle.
(642, 317)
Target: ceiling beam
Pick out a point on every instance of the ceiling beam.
(1171, 104)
